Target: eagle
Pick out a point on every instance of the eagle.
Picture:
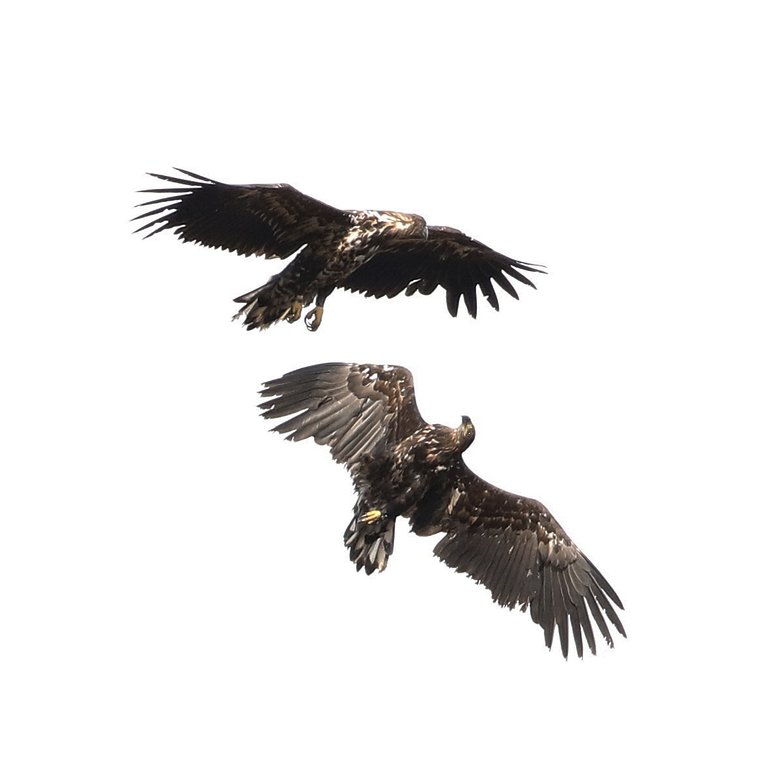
(377, 253)
(402, 466)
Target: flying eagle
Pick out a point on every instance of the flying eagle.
(378, 253)
(403, 467)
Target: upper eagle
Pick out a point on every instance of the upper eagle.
(403, 467)
(379, 253)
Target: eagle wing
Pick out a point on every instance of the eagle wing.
(448, 258)
(514, 547)
(351, 408)
(272, 220)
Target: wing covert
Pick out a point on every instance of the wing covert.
(351, 408)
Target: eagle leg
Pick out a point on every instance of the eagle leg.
(293, 313)
(315, 317)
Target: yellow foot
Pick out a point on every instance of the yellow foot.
(371, 516)
(293, 313)
(314, 318)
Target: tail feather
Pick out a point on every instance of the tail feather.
(370, 544)
(266, 306)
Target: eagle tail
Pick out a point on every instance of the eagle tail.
(266, 306)
(370, 543)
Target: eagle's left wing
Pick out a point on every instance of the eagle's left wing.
(352, 408)
(271, 220)
(513, 546)
(447, 258)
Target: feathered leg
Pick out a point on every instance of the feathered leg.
(315, 317)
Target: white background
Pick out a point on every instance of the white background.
(173, 586)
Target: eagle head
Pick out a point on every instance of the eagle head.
(466, 433)
(403, 224)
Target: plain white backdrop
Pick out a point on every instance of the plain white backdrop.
(174, 590)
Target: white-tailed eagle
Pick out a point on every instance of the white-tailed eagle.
(377, 253)
(403, 467)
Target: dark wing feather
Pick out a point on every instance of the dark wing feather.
(514, 547)
(448, 258)
(351, 408)
(272, 220)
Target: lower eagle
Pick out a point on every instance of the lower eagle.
(377, 253)
(403, 467)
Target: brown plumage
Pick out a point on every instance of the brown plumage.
(377, 253)
(403, 467)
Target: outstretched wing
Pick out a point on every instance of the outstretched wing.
(514, 547)
(351, 408)
(448, 258)
(272, 220)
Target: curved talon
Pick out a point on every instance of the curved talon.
(314, 318)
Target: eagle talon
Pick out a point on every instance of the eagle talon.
(314, 318)
(371, 516)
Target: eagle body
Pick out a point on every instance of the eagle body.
(378, 253)
(403, 467)
(413, 480)
(319, 268)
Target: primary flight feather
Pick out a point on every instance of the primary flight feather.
(377, 253)
(404, 467)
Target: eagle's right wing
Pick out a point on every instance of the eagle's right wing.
(272, 220)
(351, 408)
(513, 546)
(447, 258)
